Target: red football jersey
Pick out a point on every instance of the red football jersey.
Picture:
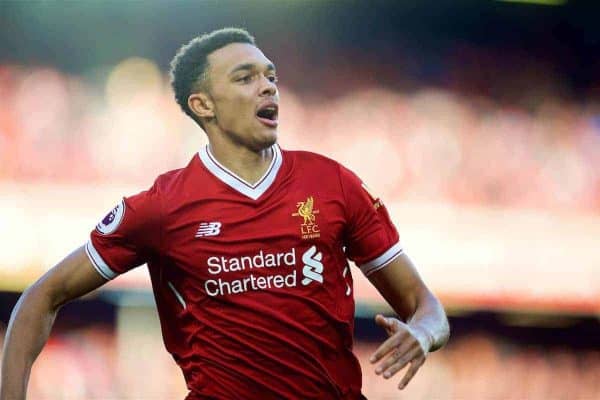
(252, 283)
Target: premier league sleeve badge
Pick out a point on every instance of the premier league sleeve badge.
(112, 220)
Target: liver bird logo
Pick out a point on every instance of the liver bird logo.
(306, 210)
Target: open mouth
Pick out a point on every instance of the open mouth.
(267, 114)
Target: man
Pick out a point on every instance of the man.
(247, 251)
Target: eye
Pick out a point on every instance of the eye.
(245, 79)
(273, 78)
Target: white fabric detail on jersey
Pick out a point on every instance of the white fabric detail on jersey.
(348, 288)
(387, 257)
(98, 263)
(237, 183)
(179, 297)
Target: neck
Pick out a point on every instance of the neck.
(247, 164)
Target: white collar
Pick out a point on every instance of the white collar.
(237, 183)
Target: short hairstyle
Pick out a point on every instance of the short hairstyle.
(189, 66)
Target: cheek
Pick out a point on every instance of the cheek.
(236, 109)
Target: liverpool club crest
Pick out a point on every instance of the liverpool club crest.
(306, 209)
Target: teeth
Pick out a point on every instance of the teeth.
(268, 112)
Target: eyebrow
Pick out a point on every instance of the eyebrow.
(250, 66)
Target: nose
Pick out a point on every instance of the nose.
(267, 88)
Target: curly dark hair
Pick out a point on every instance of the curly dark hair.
(188, 67)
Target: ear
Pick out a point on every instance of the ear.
(202, 105)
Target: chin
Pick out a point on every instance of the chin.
(266, 139)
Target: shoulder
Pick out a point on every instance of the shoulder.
(170, 182)
(324, 168)
(308, 158)
(167, 179)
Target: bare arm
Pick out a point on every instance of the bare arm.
(424, 326)
(33, 316)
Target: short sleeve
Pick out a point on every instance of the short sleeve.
(371, 239)
(127, 236)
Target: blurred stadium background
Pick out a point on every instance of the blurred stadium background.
(477, 122)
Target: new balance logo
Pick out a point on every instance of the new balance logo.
(208, 229)
(313, 267)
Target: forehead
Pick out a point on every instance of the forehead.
(225, 59)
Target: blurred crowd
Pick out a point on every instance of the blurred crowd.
(472, 367)
(121, 125)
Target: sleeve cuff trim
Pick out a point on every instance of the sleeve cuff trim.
(387, 257)
(99, 264)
